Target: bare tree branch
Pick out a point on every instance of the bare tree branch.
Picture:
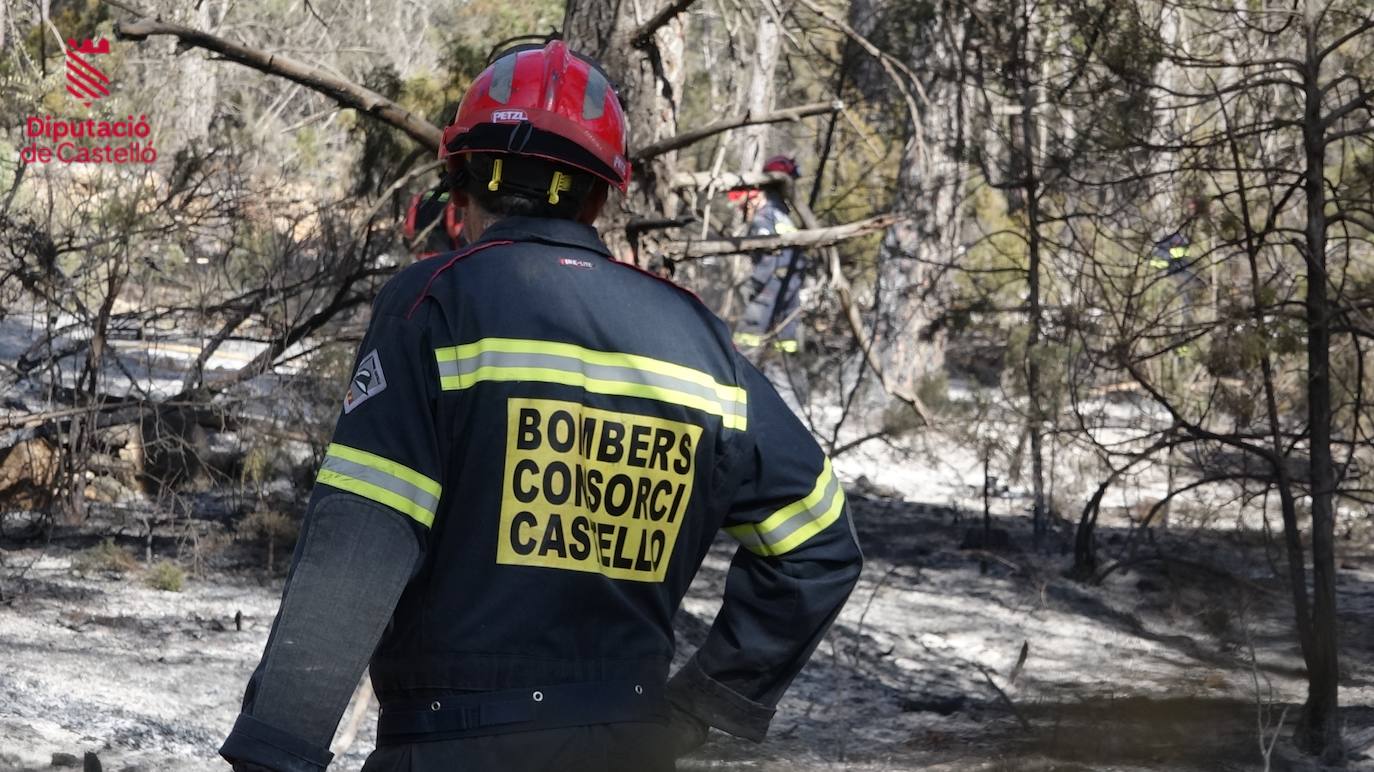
(727, 180)
(344, 92)
(734, 122)
(811, 237)
(890, 65)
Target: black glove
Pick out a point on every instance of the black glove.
(689, 732)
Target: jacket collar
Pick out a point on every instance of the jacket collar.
(546, 231)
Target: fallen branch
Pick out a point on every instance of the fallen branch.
(659, 224)
(52, 423)
(686, 138)
(1199, 566)
(811, 237)
(344, 92)
(25, 419)
(728, 180)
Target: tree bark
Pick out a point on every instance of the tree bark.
(1288, 508)
(753, 142)
(193, 88)
(1320, 728)
(1034, 254)
(930, 191)
(644, 57)
(857, 327)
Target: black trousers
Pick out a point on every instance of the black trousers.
(622, 747)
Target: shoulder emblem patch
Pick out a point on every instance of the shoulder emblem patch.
(368, 381)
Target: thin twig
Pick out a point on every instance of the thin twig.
(863, 615)
(1026, 725)
(679, 141)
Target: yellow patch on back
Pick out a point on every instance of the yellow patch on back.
(594, 490)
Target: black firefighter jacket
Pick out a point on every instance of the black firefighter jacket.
(564, 436)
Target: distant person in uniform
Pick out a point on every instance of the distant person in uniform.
(772, 313)
(1173, 255)
(434, 223)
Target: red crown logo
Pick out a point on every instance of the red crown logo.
(84, 81)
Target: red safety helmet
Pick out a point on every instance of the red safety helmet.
(425, 209)
(740, 195)
(542, 101)
(783, 163)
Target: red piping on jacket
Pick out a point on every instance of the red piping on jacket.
(667, 281)
(472, 250)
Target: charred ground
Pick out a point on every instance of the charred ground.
(946, 658)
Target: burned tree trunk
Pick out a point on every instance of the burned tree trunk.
(645, 60)
(754, 145)
(1320, 729)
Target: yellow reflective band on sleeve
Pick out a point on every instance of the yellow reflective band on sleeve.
(600, 372)
(1178, 253)
(747, 339)
(789, 527)
(786, 346)
(381, 480)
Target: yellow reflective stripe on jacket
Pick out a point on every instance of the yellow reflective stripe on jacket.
(787, 528)
(601, 372)
(747, 339)
(381, 480)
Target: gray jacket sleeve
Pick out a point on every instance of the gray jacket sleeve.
(363, 539)
(352, 562)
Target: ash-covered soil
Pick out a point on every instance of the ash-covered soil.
(1151, 670)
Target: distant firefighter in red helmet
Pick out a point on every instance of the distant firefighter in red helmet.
(536, 450)
(775, 286)
(434, 223)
